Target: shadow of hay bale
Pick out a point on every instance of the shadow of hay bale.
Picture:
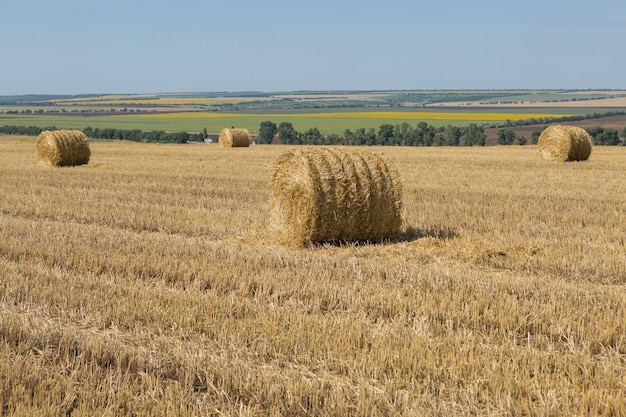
(413, 233)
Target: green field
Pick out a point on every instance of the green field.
(328, 122)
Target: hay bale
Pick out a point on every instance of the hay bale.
(234, 138)
(62, 148)
(334, 195)
(565, 143)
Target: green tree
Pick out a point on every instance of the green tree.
(267, 131)
(534, 137)
(286, 133)
(440, 139)
(610, 136)
(385, 134)
(370, 137)
(403, 134)
(602, 136)
(348, 137)
(424, 134)
(179, 137)
(332, 139)
(452, 135)
(522, 140)
(506, 137)
(359, 136)
(474, 135)
(624, 136)
(311, 137)
(595, 133)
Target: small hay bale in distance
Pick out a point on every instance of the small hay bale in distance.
(62, 148)
(234, 138)
(565, 143)
(334, 195)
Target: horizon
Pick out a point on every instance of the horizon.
(92, 94)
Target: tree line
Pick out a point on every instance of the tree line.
(422, 134)
(404, 134)
(136, 135)
(600, 135)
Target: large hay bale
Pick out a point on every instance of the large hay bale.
(234, 138)
(63, 148)
(334, 195)
(565, 143)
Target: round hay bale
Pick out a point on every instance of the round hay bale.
(234, 138)
(565, 143)
(62, 148)
(334, 195)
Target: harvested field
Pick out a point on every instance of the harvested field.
(615, 122)
(143, 283)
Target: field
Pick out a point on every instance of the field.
(150, 100)
(614, 122)
(330, 112)
(144, 284)
(326, 121)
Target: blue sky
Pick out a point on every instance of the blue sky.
(126, 46)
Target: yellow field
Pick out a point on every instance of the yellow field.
(143, 284)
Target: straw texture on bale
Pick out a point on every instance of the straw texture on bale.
(334, 195)
(62, 148)
(234, 138)
(565, 143)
